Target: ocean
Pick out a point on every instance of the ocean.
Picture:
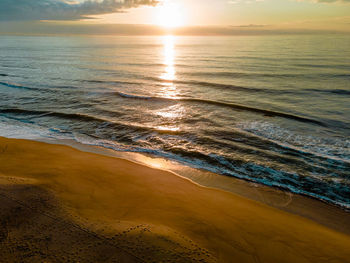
(274, 110)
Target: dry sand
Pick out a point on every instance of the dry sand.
(58, 204)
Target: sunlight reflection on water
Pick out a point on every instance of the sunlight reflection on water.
(171, 114)
(169, 74)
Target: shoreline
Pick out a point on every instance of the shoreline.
(320, 211)
(119, 201)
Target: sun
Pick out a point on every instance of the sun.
(170, 15)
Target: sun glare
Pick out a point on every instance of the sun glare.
(169, 57)
(170, 15)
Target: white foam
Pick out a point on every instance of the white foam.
(11, 128)
(332, 148)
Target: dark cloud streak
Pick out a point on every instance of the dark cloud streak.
(20, 10)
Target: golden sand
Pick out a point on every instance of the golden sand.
(59, 204)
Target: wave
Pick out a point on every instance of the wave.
(234, 87)
(111, 82)
(3, 75)
(17, 86)
(68, 87)
(268, 75)
(32, 114)
(50, 89)
(206, 84)
(251, 89)
(229, 86)
(147, 64)
(229, 105)
(334, 91)
(191, 82)
(237, 74)
(328, 66)
(39, 113)
(131, 96)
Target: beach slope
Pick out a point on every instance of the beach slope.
(59, 204)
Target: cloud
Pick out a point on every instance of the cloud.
(12, 10)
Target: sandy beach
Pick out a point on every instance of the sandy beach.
(61, 204)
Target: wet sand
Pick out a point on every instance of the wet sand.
(61, 204)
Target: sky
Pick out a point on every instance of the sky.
(182, 16)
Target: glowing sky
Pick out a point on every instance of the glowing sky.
(296, 14)
(244, 12)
